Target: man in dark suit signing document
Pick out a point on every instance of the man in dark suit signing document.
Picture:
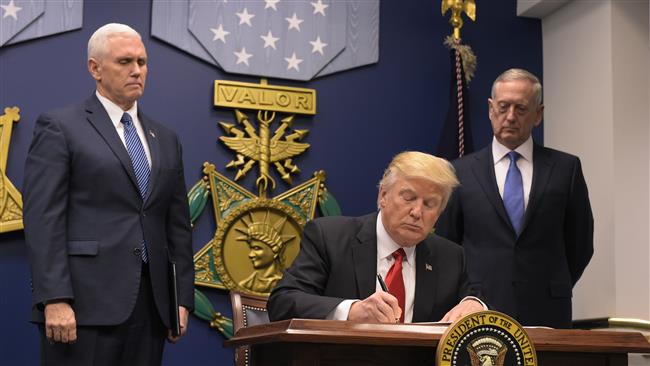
(105, 214)
(335, 275)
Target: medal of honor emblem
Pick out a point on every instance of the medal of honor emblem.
(258, 241)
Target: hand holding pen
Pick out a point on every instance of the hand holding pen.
(384, 288)
(382, 284)
(380, 307)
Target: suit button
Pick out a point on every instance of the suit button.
(137, 251)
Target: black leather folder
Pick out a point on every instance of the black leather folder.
(175, 322)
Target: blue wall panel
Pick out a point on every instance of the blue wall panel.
(365, 116)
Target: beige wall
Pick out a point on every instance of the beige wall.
(630, 100)
(578, 119)
(596, 79)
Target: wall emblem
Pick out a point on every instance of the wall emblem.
(23, 20)
(297, 40)
(257, 236)
(11, 202)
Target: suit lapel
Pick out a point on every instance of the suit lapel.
(542, 168)
(97, 116)
(154, 151)
(483, 169)
(364, 257)
(425, 281)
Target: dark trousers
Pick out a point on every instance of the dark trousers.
(137, 341)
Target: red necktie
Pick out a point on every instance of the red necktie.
(395, 280)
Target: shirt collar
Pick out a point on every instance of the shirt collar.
(525, 150)
(114, 111)
(386, 245)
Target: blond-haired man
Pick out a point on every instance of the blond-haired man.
(335, 274)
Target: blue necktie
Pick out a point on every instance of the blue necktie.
(139, 162)
(513, 193)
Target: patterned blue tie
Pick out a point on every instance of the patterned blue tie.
(139, 161)
(513, 193)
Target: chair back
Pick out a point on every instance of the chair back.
(247, 310)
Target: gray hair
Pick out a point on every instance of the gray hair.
(97, 42)
(520, 74)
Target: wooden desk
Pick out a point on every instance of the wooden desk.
(327, 342)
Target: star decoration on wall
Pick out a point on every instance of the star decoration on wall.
(219, 33)
(319, 7)
(294, 22)
(293, 62)
(11, 10)
(243, 56)
(317, 46)
(269, 40)
(271, 4)
(286, 39)
(245, 17)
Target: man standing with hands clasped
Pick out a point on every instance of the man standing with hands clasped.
(105, 213)
(522, 212)
(335, 273)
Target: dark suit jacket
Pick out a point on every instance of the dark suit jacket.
(85, 219)
(529, 276)
(338, 261)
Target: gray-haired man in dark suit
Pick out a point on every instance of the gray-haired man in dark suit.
(105, 212)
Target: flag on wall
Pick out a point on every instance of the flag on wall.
(297, 40)
(289, 40)
(58, 17)
(456, 137)
(16, 16)
(23, 20)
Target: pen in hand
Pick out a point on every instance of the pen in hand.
(382, 283)
(384, 288)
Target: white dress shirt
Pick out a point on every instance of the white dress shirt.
(385, 248)
(524, 163)
(115, 114)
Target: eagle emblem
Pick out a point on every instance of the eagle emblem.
(262, 148)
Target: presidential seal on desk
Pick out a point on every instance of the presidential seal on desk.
(486, 338)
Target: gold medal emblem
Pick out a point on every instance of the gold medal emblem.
(3, 192)
(11, 201)
(257, 235)
(255, 244)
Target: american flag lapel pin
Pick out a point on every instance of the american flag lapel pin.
(428, 267)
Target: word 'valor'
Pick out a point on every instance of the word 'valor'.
(264, 97)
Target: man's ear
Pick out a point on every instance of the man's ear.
(95, 69)
(540, 115)
(382, 197)
(489, 108)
